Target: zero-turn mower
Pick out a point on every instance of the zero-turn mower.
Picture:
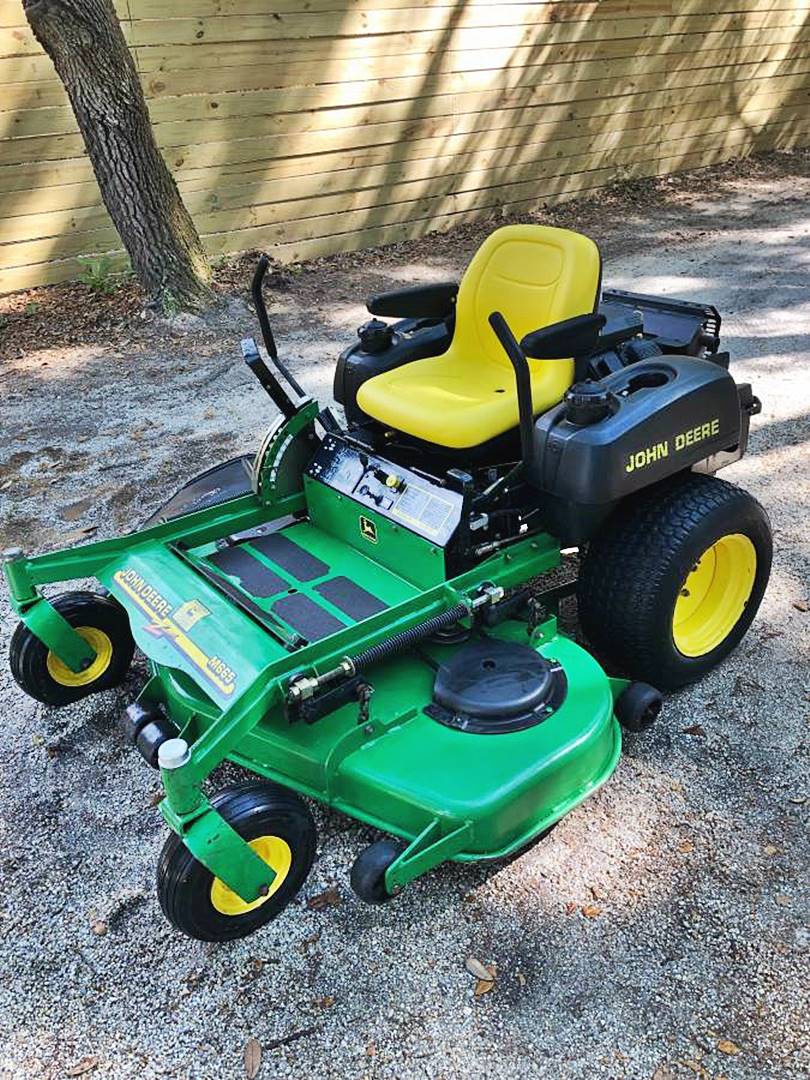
(358, 614)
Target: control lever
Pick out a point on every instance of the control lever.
(260, 369)
(270, 384)
(524, 383)
(264, 323)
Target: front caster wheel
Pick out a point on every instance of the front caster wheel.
(368, 872)
(104, 626)
(279, 828)
(638, 706)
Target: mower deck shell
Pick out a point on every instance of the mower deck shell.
(402, 770)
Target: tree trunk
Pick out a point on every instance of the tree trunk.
(86, 44)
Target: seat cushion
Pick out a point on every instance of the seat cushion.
(535, 276)
(437, 401)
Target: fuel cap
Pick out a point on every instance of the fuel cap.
(588, 403)
(375, 336)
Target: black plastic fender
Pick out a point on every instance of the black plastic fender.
(667, 414)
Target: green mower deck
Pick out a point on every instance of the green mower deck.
(225, 626)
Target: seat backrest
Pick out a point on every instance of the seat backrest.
(534, 275)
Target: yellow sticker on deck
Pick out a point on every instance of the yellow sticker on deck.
(172, 624)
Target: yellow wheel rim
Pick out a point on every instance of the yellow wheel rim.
(714, 595)
(101, 645)
(276, 853)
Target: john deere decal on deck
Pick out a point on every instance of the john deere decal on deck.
(162, 624)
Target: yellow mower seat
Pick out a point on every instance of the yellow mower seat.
(535, 276)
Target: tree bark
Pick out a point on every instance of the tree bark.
(86, 44)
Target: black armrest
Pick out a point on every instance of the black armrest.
(571, 337)
(432, 301)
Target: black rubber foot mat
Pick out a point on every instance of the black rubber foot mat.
(290, 556)
(254, 577)
(347, 596)
(304, 615)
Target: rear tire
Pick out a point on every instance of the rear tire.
(673, 582)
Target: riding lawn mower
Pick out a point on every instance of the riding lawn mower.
(365, 613)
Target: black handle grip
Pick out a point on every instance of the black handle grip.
(523, 380)
(261, 310)
(267, 333)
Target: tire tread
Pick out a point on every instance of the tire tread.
(625, 572)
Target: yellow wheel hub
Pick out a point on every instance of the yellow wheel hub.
(277, 854)
(714, 595)
(101, 645)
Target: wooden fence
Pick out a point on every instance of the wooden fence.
(310, 126)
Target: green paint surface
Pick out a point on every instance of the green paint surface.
(222, 676)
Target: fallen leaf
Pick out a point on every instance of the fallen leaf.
(253, 1058)
(521, 978)
(75, 510)
(328, 898)
(155, 797)
(686, 847)
(570, 907)
(771, 849)
(484, 985)
(253, 970)
(597, 892)
(79, 534)
(84, 1065)
(99, 927)
(695, 729)
(782, 899)
(476, 968)
(726, 1046)
(664, 1072)
(313, 939)
(591, 911)
(325, 1002)
(801, 605)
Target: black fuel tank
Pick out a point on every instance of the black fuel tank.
(407, 340)
(665, 414)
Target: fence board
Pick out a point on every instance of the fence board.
(310, 126)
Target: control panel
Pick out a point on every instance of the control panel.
(421, 505)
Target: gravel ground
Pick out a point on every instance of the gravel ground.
(661, 931)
